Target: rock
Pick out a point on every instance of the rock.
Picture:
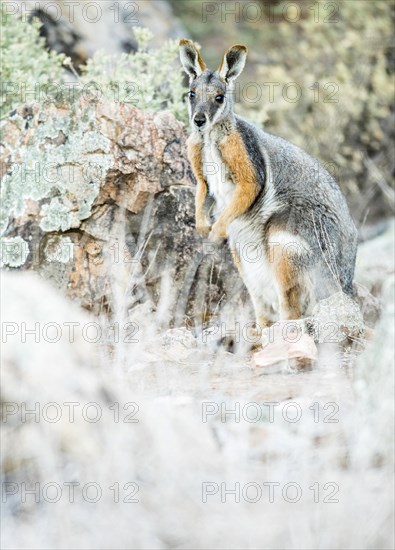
(374, 267)
(374, 376)
(179, 337)
(369, 305)
(375, 259)
(89, 429)
(46, 358)
(178, 344)
(80, 30)
(335, 319)
(285, 346)
(110, 205)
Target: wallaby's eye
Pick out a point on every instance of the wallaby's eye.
(191, 94)
(219, 98)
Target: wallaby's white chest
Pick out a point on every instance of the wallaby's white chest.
(220, 184)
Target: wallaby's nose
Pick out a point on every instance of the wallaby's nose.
(200, 120)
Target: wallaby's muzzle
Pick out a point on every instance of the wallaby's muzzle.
(200, 119)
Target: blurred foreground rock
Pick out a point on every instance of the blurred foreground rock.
(67, 420)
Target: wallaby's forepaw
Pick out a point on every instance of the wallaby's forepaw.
(217, 233)
(203, 229)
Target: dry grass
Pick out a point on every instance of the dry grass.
(187, 437)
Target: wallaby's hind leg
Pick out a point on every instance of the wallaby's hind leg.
(260, 305)
(295, 288)
(288, 256)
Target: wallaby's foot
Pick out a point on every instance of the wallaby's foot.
(262, 323)
(300, 364)
(253, 336)
(295, 355)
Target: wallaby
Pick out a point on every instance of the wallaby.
(286, 221)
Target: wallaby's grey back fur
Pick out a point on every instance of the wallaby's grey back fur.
(309, 203)
(271, 198)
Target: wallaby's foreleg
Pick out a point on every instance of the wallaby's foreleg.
(195, 158)
(235, 156)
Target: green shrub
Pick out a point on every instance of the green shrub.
(149, 79)
(26, 64)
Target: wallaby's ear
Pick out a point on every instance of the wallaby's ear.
(233, 62)
(190, 58)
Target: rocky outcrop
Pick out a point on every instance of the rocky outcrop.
(100, 195)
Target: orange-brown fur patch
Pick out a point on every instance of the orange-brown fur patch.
(195, 158)
(290, 289)
(235, 156)
(289, 281)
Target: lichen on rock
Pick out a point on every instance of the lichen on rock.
(56, 163)
(59, 249)
(14, 252)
